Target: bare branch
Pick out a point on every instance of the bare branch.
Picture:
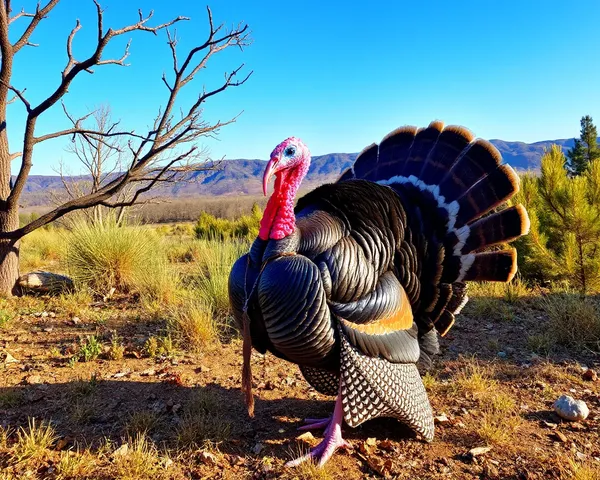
(21, 14)
(18, 94)
(39, 15)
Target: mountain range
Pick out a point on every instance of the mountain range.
(243, 177)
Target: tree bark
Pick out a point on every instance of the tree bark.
(9, 254)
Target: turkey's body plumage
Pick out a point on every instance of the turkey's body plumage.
(376, 265)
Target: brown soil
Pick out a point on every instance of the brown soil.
(45, 385)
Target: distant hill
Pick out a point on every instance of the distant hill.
(242, 177)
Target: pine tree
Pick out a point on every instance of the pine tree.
(585, 149)
(564, 239)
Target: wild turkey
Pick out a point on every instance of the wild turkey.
(356, 285)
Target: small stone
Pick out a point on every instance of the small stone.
(477, 451)
(75, 320)
(590, 375)
(33, 379)
(502, 354)
(581, 456)
(281, 430)
(577, 426)
(47, 329)
(549, 425)
(258, 448)
(441, 419)
(121, 451)
(52, 314)
(560, 436)
(122, 374)
(208, 458)
(44, 315)
(8, 358)
(148, 373)
(307, 438)
(371, 442)
(570, 409)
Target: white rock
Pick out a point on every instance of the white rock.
(570, 409)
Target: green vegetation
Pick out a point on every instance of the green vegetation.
(585, 149)
(564, 240)
(213, 228)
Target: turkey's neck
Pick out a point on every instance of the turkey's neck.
(278, 219)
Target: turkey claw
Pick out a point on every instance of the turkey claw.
(315, 423)
(322, 452)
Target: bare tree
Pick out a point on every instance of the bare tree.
(163, 153)
(101, 157)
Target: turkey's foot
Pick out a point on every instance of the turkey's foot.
(331, 442)
(315, 423)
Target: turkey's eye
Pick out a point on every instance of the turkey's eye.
(290, 151)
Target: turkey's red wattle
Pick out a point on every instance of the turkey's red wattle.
(278, 219)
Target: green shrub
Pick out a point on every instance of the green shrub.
(210, 227)
(564, 239)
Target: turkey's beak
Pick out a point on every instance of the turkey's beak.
(269, 173)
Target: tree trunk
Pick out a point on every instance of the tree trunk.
(9, 255)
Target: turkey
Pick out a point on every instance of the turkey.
(356, 282)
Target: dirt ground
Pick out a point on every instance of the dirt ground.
(191, 407)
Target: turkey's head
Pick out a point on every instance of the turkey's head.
(289, 163)
(289, 159)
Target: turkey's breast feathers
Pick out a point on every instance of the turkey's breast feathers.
(339, 269)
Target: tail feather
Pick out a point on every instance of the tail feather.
(423, 143)
(448, 181)
(489, 266)
(487, 194)
(500, 227)
(452, 141)
(479, 159)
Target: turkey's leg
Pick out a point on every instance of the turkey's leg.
(331, 441)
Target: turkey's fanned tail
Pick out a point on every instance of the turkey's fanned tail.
(451, 180)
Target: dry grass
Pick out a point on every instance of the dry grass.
(194, 324)
(202, 421)
(140, 460)
(215, 261)
(41, 248)
(573, 321)
(500, 420)
(582, 471)
(75, 465)
(142, 422)
(473, 380)
(34, 441)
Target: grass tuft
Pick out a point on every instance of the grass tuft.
(202, 421)
(139, 462)
(573, 321)
(33, 441)
(193, 323)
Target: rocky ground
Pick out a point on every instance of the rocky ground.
(128, 404)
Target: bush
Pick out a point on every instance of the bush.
(193, 324)
(210, 227)
(113, 256)
(573, 321)
(564, 239)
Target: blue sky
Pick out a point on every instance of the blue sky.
(337, 75)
